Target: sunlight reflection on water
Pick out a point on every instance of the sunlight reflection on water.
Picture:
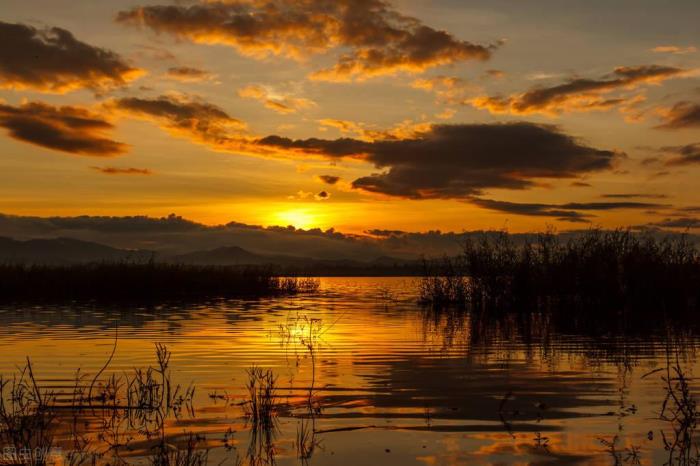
(392, 382)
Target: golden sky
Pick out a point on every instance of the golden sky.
(354, 114)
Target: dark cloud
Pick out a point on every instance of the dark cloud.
(682, 115)
(122, 171)
(633, 196)
(385, 233)
(680, 222)
(329, 179)
(683, 155)
(457, 161)
(609, 205)
(380, 40)
(74, 130)
(530, 209)
(580, 184)
(569, 212)
(52, 60)
(188, 74)
(580, 94)
(322, 196)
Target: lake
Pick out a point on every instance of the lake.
(367, 376)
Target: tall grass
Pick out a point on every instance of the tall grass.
(597, 268)
(143, 281)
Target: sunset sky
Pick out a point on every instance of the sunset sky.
(354, 114)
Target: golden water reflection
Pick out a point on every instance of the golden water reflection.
(372, 378)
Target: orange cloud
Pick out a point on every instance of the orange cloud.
(674, 49)
(447, 89)
(580, 95)
(74, 130)
(53, 60)
(381, 40)
(279, 103)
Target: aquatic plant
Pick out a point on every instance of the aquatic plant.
(679, 410)
(598, 270)
(261, 406)
(144, 281)
(26, 418)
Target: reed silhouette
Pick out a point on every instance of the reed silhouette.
(144, 281)
(597, 270)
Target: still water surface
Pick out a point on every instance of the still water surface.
(391, 383)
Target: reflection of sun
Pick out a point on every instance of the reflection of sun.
(300, 218)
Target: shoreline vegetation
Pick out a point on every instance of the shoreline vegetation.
(145, 281)
(599, 271)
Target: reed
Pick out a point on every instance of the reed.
(597, 270)
(261, 406)
(144, 281)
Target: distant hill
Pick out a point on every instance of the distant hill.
(62, 251)
(234, 255)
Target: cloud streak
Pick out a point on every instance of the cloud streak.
(580, 94)
(569, 212)
(683, 155)
(74, 130)
(122, 171)
(279, 103)
(53, 60)
(188, 74)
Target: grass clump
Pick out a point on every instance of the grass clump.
(601, 269)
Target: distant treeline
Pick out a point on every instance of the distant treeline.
(143, 281)
(598, 270)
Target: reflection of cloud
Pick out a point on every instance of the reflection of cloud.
(74, 130)
(681, 115)
(379, 39)
(279, 103)
(52, 60)
(122, 171)
(580, 94)
(457, 161)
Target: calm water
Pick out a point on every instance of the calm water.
(390, 382)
